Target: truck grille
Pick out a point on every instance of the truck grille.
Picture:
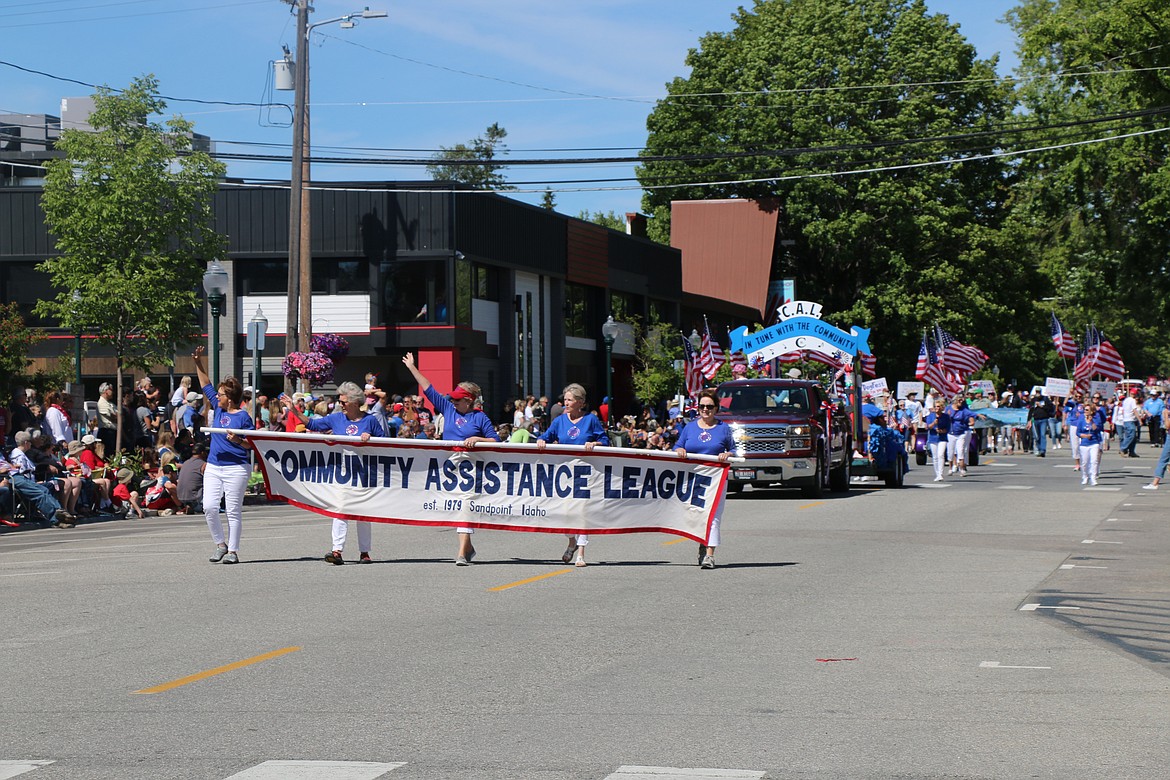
(762, 446)
(762, 439)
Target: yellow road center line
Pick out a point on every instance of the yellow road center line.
(809, 506)
(530, 579)
(989, 463)
(218, 670)
(679, 540)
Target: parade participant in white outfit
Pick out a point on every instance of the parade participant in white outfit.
(962, 420)
(1089, 431)
(575, 426)
(227, 471)
(1074, 415)
(352, 420)
(462, 423)
(938, 424)
(708, 436)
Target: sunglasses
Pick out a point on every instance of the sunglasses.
(707, 406)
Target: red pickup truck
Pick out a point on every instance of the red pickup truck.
(790, 433)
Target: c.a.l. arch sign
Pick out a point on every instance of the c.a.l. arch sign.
(797, 333)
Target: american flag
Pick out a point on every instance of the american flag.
(1066, 345)
(710, 353)
(1107, 360)
(790, 358)
(692, 374)
(956, 355)
(835, 359)
(928, 369)
(1083, 369)
(868, 366)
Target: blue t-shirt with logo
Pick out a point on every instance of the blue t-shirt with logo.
(586, 429)
(705, 441)
(457, 427)
(222, 452)
(341, 425)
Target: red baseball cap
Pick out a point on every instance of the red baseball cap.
(459, 393)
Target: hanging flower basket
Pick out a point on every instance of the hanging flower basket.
(330, 344)
(316, 368)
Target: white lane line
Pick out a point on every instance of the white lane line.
(316, 770)
(1034, 607)
(934, 485)
(1015, 487)
(30, 574)
(675, 773)
(1078, 566)
(74, 560)
(9, 769)
(1101, 489)
(998, 665)
(1122, 520)
(1065, 466)
(88, 548)
(1098, 541)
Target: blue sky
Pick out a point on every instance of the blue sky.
(435, 72)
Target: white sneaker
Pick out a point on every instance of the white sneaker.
(938, 479)
(962, 472)
(954, 470)
(1084, 481)
(1092, 483)
(1150, 486)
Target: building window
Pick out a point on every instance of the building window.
(661, 311)
(261, 277)
(486, 283)
(26, 285)
(339, 277)
(624, 307)
(580, 315)
(414, 291)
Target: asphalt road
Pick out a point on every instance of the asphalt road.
(1005, 625)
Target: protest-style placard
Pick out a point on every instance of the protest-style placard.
(1057, 388)
(1104, 389)
(905, 388)
(875, 387)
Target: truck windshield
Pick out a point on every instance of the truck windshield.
(755, 400)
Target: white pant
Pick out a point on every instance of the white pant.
(465, 530)
(1074, 442)
(1090, 462)
(365, 535)
(716, 520)
(582, 539)
(957, 447)
(938, 451)
(225, 482)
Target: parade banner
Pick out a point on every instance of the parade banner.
(800, 328)
(994, 418)
(510, 487)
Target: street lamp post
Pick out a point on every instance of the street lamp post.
(215, 284)
(257, 330)
(609, 332)
(77, 340)
(300, 258)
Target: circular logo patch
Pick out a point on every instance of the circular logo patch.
(351, 430)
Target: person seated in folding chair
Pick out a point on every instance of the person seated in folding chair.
(35, 493)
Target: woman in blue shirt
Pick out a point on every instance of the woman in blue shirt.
(962, 420)
(708, 436)
(462, 423)
(575, 426)
(352, 420)
(1090, 432)
(1074, 414)
(227, 471)
(938, 425)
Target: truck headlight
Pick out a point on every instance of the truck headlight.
(798, 430)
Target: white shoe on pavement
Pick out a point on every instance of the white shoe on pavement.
(1150, 486)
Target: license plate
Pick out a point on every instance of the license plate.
(744, 473)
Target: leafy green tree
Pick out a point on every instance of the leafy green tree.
(548, 200)
(610, 219)
(474, 164)
(655, 377)
(130, 205)
(16, 339)
(801, 95)
(1096, 216)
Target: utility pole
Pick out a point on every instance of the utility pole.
(298, 202)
